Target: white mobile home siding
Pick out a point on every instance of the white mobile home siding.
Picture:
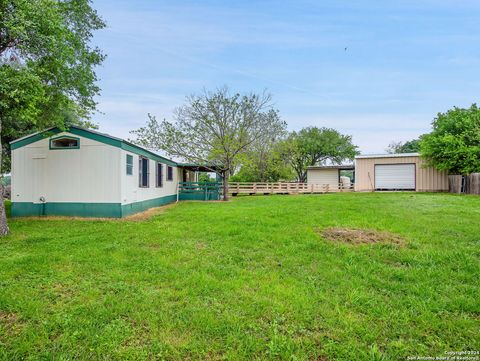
(131, 192)
(86, 175)
(90, 180)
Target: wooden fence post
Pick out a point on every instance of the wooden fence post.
(473, 183)
(455, 183)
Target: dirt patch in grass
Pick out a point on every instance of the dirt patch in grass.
(10, 323)
(149, 213)
(360, 236)
(201, 245)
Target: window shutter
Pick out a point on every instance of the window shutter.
(140, 169)
(148, 173)
(161, 175)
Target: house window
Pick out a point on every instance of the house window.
(169, 173)
(129, 164)
(65, 143)
(143, 173)
(159, 175)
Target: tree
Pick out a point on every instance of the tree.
(213, 128)
(266, 165)
(454, 143)
(411, 146)
(313, 146)
(47, 73)
(263, 162)
(205, 178)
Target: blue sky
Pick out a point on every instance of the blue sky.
(405, 61)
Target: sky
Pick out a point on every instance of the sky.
(379, 71)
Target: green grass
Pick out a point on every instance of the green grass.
(248, 279)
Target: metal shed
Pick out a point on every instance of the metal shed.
(328, 175)
(405, 171)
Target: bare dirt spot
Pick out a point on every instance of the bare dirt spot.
(149, 213)
(360, 236)
(10, 322)
(152, 245)
(7, 318)
(201, 245)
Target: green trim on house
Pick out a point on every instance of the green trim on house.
(132, 208)
(63, 148)
(96, 210)
(100, 210)
(33, 138)
(143, 152)
(90, 134)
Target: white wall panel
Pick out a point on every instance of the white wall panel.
(89, 174)
(131, 192)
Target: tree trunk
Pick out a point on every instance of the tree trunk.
(303, 177)
(226, 176)
(3, 216)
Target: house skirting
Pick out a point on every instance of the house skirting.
(97, 210)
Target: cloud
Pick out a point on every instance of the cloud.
(405, 62)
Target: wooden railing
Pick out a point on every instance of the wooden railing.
(286, 188)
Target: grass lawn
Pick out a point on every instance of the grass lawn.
(248, 279)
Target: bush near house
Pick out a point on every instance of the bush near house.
(254, 278)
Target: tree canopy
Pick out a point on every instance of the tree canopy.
(214, 128)
(454, 143)
(313, 146)
(410, 146)
(47, 75)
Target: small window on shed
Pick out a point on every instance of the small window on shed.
(129, 164)
(65, 143)
(169, 173)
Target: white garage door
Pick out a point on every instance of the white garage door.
(323, 176)
(395, 176)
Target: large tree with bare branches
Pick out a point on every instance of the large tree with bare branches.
(214, 128)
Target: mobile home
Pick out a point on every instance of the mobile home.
(81, 172)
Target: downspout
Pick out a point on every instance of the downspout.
(178, 192)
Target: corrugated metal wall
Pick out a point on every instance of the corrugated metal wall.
(323, 176)
(427, 179)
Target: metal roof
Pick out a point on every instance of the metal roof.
(200, 167)
(396, 155)
(340, 167)
(89, 133)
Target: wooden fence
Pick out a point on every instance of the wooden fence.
(469, 184)
(285, 188)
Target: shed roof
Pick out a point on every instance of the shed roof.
(200, 167)
(387, 155)
(339, 167)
